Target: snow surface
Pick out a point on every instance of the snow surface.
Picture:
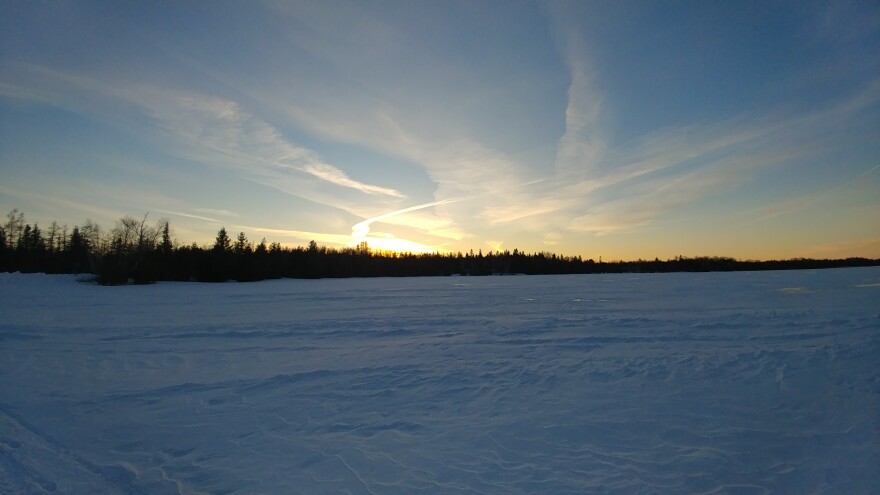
(761, 382)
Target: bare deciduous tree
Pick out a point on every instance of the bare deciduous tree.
(91, 234)
(14, 228)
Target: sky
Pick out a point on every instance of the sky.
(617, 129)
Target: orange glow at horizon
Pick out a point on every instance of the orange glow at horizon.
(397, 245)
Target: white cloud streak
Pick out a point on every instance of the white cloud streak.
(217, 211)
(190, 215)
(333, 175)
(361, 230)
(248, 142)
(581, 147)
(212, 130)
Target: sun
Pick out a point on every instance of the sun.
(388, 242)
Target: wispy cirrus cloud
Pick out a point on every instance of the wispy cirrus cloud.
(63, 204)
(429, 224)
(221, 126)
(333, 175)
(191, 216)
(681, 172)
(596, 185)
(530, 143)
(361, 230)
(217, 211)
(209, 129)
(581, 147)
(600, 188)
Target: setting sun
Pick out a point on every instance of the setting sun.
(395, 245)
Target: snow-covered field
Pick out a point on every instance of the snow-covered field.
(656, 383)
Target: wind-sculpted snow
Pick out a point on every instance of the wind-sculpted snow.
(762, 382)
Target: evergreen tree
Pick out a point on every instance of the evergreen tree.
(241, 244)
(165, 246)
(53, 234)
(222, 243)
(4, 256)
(133, 251)
(37, 242)
(73, 253)
(62, 241)
(261, 247)
(24, 240)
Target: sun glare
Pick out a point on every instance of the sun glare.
(398, 245)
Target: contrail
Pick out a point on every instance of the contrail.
(360, 230)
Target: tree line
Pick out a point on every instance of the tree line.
(137, 250)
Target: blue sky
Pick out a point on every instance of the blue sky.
(614, 129)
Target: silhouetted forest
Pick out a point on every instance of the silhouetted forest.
(136, 250)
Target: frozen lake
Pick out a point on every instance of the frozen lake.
(763, 382)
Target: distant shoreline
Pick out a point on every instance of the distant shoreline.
(135, 251)
(198, 265)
